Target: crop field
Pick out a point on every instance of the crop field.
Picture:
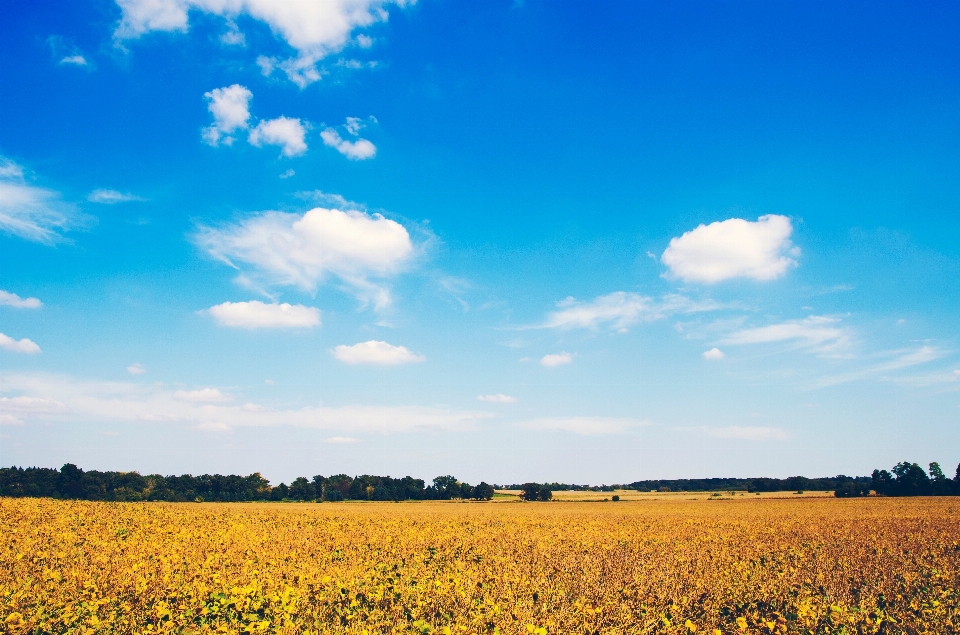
(741, 565)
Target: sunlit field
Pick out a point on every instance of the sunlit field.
(744, 564)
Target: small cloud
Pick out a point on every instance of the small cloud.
(357, 150)
(287, 174)
(136, 369)
(287, 132)
(556, 359)
(713, 353)
(74, 60)
(230, 107)
(733, 248)
(213, 426)
(10, 420)
(364, 41)
(256, 314)
(109, 197)
(901, 321)
(203, 395)
(18, 346)
(340, 440)
(376, 353)
(498, 398)
(15, 301)
(269, 382)
(34, 213)
(233, 36)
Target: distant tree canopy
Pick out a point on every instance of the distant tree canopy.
(535, 492)
(71, 482)
(909, 479)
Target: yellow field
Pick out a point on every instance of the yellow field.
(745, 565)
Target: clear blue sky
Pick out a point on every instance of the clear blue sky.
(503, 240)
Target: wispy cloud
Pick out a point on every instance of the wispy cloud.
(900, 359)
(821, 333)
(110, 197)
(34, 213)
(37, 397)
(498, 398)
(746, 433)
(583, 425)
(621, 310)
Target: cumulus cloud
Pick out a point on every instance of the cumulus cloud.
(498, 398)
(109, 197)
(7, 343)
(302, 250)
(136, 369)
(817, 331)
(203, 395)
(288, 133)
(313, 29)
(65, 399)
(12, 299)
(230, 107)
(10, 420)
(713, 354)
(356, 150)
(556, 359)
(258, 315)
(376, 353)
(583, 425)
(734, 248)
(748, 433)
(31, 212)
(621, 310)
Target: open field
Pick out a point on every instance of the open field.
(747, 565)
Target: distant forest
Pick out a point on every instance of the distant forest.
(71, 482)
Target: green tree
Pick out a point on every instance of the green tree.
(535, 492)
(483, 492)
(301, 489)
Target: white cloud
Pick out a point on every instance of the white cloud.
(287, 174)
(713, 353)
(31, 212)
(230, 107)
(213, 426)
(285, 132)
(583, 425)
(748, 433)
(18, 346)
(734, 248)
(357, 150)
(816, 331)
(64, 399)
(136, 369)
(901, 359)
(256, 315)
(233, 36)
(556, 359)
(376, 353)
(620, 310)
(74, 60)
(109, 197)
(313, 29)
(12, 299)
(10, 420)
(498, 398)
(301, 250)
(203, 395)
(340, 440)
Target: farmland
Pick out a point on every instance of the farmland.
(663, 564)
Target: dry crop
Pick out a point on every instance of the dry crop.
(736, 566)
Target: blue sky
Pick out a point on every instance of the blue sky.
(503, 240)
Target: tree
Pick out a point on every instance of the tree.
(447, 487)
(301, 489)
(911, 480)
(483, 492)
(535, 492)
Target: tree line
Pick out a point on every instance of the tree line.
(906, 479)
(71, 482)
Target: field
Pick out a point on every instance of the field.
(745, 564)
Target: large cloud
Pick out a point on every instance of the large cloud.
(259, 315)
(302, 250)
(38, 398)
(313, 28)
(31, 212)
(734, 248)
(376, 353)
